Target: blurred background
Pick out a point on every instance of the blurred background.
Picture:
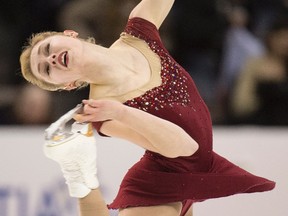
(235, 50)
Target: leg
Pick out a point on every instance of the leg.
(187, 208)
(189, 212)
(171, 209)
(93, 204)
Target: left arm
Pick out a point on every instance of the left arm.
(154, 11)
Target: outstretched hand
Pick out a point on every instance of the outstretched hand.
(100, 110)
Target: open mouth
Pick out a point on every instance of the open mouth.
(63, 59)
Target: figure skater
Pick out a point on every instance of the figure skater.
(139, 93)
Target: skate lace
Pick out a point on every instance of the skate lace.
(72, 172)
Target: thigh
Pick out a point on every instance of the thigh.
(170, 209)
(189, 212)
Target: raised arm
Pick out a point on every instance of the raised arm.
(154, 11)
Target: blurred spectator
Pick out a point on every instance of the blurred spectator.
(239, 45)
(261, 93)
(29, 105)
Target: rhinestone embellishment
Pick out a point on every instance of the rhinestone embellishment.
(174, 84)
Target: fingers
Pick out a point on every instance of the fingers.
(90, 102)
(89, 110)
(98, 110)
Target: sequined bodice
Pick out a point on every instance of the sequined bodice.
(173, 88)
(177, 98)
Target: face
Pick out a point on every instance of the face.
(57, 59)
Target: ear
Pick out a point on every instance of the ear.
(70, 33)
(70, 86)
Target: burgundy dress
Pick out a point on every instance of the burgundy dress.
(156, 179)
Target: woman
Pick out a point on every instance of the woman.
(139, 93)
(261, 88)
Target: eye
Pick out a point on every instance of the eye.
(47, 49)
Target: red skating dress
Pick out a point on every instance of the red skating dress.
(155, 179)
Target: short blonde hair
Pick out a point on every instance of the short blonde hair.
(26, 62)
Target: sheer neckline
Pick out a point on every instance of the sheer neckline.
(154, 65)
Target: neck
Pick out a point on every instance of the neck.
(103, 65)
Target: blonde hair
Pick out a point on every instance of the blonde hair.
(26, 62)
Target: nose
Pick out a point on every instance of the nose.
(52, 59)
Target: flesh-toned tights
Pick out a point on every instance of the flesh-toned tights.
(94, 203)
